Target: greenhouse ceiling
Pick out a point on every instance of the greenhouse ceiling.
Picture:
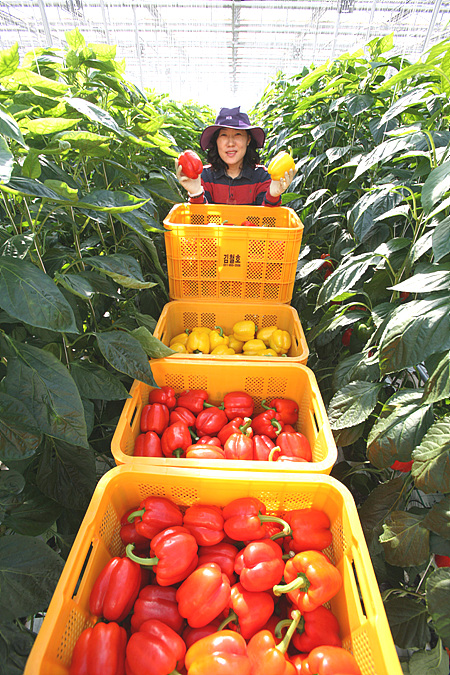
(224, 53)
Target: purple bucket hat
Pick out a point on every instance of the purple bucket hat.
(235, 119)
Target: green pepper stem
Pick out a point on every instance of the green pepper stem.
(277, 425)
(272, 453)
(135, 514)
(146, 562)
(178, 453)
(266, 407)
(284, 644)
(296, 584)
(232, 616)
(220, 329)
(285, 532)
(245, 427)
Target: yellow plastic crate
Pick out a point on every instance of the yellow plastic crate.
(180, 315)
(358, 606)
(281, 379)
(210, 261)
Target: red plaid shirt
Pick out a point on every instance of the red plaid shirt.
(251, 187)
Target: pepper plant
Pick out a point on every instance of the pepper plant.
(371, 137)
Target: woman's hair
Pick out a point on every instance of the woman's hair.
(251, 157)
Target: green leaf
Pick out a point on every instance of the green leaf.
(31, 167)
(345, 437)
(6, 161)
(75, 39)
(123, 269)
(353, 404)
(405, 540)
(429, 661)
(30, 295)
(111, 202)
(437, 387)
(51, 125)
(39, 378)
(29, 572)
(61, 188)
(415, 330)
(95, 382)
(355, 367)
(124, 353)
(151, 345)
(438, 518)
(12, 484)
(32, 80)
(431, 467)
(438, 599)
(441, 239)
(345, 277)
(381, 153)
(16, 642)
(435, 186)
(31, 188)
(10, 128)
(413, 97)
(76, 284)
(408, 621)
(96, 114)
(383, 499)
(19, 434)
(34, 515)
(9, 60)
(400, 427)
(363, 215)
(429, 279)
(358, 103)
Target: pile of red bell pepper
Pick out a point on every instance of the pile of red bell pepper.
(188, 425)
(216, 591)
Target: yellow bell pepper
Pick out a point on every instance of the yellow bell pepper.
(280, 341)
(253, 347)
(235, 344)
(265, 333)
(222, 350)
(178, 347)
(280, 164)
(269, 352)
(198, 342)
(201, 329)
(216, 338)
(244, 330)
(181, 338)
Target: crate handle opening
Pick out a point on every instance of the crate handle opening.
(82, 571)
(133, 415)
(358, 586)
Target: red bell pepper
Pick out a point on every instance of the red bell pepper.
(199, 451)
(239, 446)
(148, 445)
(100, 650)
(193, 399)
(115, 589)
(175, 555)
(245, 519)
(175, 440)
(154, 417)
(223, 554)
(238, 404)
(209, 440)
(286, 407)
(154, 515)
(250, 610)
(191, 635)
(180, 414)
(268, 657)
(260, 565)
(235, 426)
(267, 423)
(311, 580)
(130, 535)
(204, 595)
(310, 530)
(164, 395)
(191, 164)
(222, 653)
(155, 649)
(330, 660)
(316, 629)
(294, 444)
(262, 445)
(157, 602)
(275, 456)
(205, 523)
(210, 421)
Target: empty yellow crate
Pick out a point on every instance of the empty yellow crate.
(280, 380)
(181, 315)
(358, 606)
(209, 260)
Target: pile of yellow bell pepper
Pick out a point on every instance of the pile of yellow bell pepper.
(245, 338)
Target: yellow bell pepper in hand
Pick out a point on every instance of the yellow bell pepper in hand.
(181, 338)
(216, 338)
(235, 344)
(222, 350)
(198, 343)
(244, 330)
(280, 341)
(265, 333)
(280, 164)
(253, 347)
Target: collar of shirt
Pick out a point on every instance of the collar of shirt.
(247, 172)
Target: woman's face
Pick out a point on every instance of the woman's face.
(232, 146)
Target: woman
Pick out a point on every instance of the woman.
(234, 175)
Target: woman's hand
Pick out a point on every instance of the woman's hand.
(193, 186)
(277, 187)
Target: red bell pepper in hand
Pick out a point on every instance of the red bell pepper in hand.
(222, 653)
(268, 657)
(175, 440)
(260, 565)
(205, 523)
(330, 660)
(310, 530)
(130, 535)
(250, 609)
(316, 629)
(262, 446)
(245, 519)
(155, 649)
(115, 589)
(223, 554)
(154, 417)
(175, 555)
(193, 399)
(311, 580)
(267, 423)
(100, 650)
(164, 395)
(154, 515)
(238, 404)
(286, 407)
(210, 421)
(237, 425)
(157, 602)
(204, 595)
(199, 451)
(148, 445)
(191, 164)
(294, 444)
(180, 414)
